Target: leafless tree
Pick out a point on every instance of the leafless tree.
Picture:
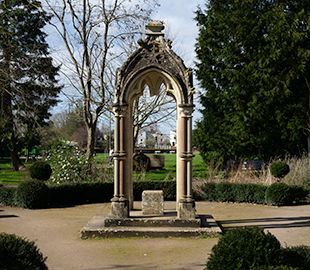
(154, 110)
(93, 32)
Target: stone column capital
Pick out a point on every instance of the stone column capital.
(186, 110)
(120, 110)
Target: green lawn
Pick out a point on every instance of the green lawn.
(7, 176)
(169, 171)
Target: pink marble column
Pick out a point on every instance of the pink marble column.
(121, 165)
(183, 161)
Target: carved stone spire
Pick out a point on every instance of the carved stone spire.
(154, 29)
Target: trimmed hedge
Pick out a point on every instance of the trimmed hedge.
(245, 248)
(40, 170)
(279, 169)
(276, 194)
(297, 257)
(251, 248)
(231, 192)
(168, 187)
(17, 253)
(30, 194)
(282, 194)
(8, 195)
(97, 192)
(80, 193)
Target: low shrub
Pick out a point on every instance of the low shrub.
(32, 194)
(245, 248)
(299, 193)
(225, 192)
(298, 257)
(280, 267)
(279, 194)
(35, 194)
(8, 195)
(208, 191)
(17, 253)
(276, 194)
(40, 170)
(168, 187)
(279, 169)
(79, 193)
(251, 193)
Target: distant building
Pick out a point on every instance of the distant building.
(142, 137)
(161, 140)
(173, 137)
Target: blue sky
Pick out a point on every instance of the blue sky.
(178, 17)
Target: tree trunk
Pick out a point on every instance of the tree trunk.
(16, 163)
(91, 137)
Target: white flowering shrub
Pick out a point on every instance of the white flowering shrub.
(68, 163)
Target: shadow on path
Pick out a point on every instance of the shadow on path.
(8, 216)
(268, 223)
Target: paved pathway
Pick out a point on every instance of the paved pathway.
(56, 233)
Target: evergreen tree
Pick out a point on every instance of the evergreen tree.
(254, 67)
(27, 75)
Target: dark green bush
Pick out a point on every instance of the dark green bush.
(280, 267)
(298, 257)
(17, 253)
(225, 192)
(299, 193)
(279, 194)
(40, 170)
(168, 187)
(35, 194)
(208, 191)
(245, 248)
(251, 193)
(79, 193)
(279, 169)
(32, 194)
(8, 195)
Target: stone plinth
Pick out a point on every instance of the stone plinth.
(186, 209)
(153, 202)
(119, 208)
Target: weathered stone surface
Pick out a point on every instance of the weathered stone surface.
(186, 210)
(119, 209)
(157, 161)
(153, 202)
(103, 226)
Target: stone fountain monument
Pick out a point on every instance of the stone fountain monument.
(152, 64)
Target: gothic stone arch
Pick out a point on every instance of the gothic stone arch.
(152, 64)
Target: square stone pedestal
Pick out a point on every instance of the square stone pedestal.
(153, 202)
(186, 209)
(119, 208)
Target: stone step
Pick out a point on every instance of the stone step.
(102, 226)
(144, 232)
(106, 221)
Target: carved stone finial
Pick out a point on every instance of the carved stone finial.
(154, 29)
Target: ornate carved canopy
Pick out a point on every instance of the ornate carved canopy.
(152, 64)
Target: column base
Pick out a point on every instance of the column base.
(119, 207)
(186, 208)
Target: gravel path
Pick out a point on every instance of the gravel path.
(56, 233)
